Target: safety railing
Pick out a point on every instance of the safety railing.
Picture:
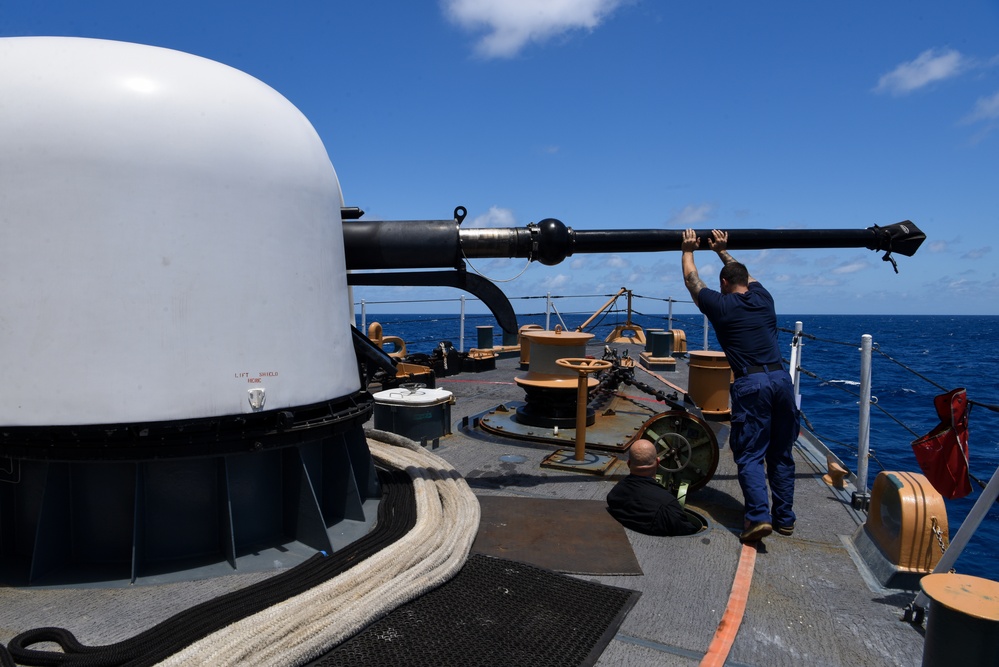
(454, 325)
(867, 399)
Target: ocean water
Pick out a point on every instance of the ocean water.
(912, 355)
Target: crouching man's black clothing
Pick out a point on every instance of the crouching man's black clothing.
(643, 505)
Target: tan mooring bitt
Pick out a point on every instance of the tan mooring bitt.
(836, 477)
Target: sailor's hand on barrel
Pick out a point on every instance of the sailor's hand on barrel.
(718, 240)
(690, 241)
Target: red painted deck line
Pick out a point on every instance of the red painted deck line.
(728, 627)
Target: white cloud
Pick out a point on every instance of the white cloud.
(494, 217)
(986, 108)
(616, 262)
(769, 257)
(851, 267)
(499, 263)
(636, 277)
(977, 253)
(691, 215)
(816, 281)
(938, 246)
(512, 24)
(558, 283)
(930, 66)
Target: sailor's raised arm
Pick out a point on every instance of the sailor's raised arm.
(719, 243)
(690, 278)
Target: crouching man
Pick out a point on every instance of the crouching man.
(642, 504)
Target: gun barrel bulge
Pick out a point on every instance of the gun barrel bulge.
(410, 244)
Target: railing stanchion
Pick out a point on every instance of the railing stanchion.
(705, 332)
(861, 498)
(461, 333)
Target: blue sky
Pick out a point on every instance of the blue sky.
(631, 114)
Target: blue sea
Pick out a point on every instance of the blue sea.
(913, 353)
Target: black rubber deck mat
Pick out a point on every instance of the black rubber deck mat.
(494, 612)
(571, 536)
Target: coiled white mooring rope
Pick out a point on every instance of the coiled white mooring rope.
(306, 626)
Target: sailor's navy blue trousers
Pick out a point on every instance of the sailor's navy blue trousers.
(765, 424)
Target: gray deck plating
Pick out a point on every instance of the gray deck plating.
(808, 604)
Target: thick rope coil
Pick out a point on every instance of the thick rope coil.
(304, 627)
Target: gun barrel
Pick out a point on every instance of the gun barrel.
(411, 244)
(657, 240)
(401, 244)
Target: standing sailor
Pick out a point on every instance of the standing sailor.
(764, 415)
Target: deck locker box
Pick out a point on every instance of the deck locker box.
(418, 413)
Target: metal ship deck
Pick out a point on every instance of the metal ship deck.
(809, 602)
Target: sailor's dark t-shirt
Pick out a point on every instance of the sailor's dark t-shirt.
(745, 324)
(643, 505)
